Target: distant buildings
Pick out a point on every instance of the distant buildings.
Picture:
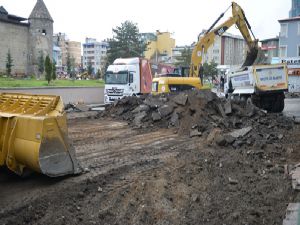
(57, 58)
(289, 46)
(177, 52)
(160, 45)
(94, 53)
(289, 37)
(74, 50)
(68, 48)
(227, 49)
(26, 39)
(270, 48)
(295, 11)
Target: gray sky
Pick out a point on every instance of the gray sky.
(186, 19)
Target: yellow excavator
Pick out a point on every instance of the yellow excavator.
(34, 135)
(177, 82)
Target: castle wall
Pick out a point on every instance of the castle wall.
(41, 40)
(15, 38)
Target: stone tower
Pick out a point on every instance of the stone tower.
(40, 35)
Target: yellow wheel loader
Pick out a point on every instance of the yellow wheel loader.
(34, 135)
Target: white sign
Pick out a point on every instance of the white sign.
(291, 61)
(271, 76)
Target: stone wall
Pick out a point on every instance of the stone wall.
(15, 38)
(41, 40)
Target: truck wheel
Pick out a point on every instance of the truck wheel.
(278, 105)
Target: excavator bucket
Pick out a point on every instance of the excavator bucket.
(254, 56)
(34, 135)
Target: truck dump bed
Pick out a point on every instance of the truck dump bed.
(260, 78)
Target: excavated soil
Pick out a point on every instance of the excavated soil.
(158, 173)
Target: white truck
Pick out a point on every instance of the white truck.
(263, 84)
(127, 77)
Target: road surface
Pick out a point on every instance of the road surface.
(292, 107)
(88, 95)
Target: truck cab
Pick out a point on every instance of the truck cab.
(126, 77)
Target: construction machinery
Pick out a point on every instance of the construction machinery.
(127, 77)
(265, 86)
(205, 41)
(34, 135)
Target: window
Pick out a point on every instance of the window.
(283, 51)
(44, 32)
(284, 30)
(299, 28)
(299, 50)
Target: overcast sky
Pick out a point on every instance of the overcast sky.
(185, 19)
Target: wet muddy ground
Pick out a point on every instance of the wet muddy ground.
(155, 176)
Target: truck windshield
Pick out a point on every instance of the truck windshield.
(116, 78)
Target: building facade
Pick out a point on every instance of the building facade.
(295, 11)
(94, 53)
(74, 49)
(57, 58)
(71, 48)
(25, 39)
(227, 49)
(270, 47)
(289, 37)
(289, 50)
(160, 45)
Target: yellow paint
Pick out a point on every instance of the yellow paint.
(26, 123)
(163, 45)
(279, 86)
(164, 82)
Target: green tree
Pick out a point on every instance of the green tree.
(9, 63)
(69, 64)
(98, 74)
(185, 58)
(90, 68)
(48, 69)
(54, 70)
(210, 70)
(41, 63)
(125, 42)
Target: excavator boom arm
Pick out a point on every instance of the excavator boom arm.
(239, 19)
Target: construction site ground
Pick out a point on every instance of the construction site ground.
(155, 176)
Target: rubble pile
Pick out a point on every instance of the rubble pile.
(201, 113)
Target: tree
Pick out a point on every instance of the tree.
(98, 74)
(210, 69)
(90, 68)
(125, 42)
(41, 63)
(54, 70)
(185, 58)
(69, 64)
(48, 69)
(9, 63)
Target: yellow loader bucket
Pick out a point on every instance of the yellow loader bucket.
(34, 135)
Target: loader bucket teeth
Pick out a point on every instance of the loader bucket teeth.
(34, 135)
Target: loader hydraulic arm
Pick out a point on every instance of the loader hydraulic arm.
(239, 19)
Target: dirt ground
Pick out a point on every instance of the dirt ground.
(155, 176)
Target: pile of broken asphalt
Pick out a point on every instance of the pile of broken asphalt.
(201, 113)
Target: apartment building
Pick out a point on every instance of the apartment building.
(94, 53)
